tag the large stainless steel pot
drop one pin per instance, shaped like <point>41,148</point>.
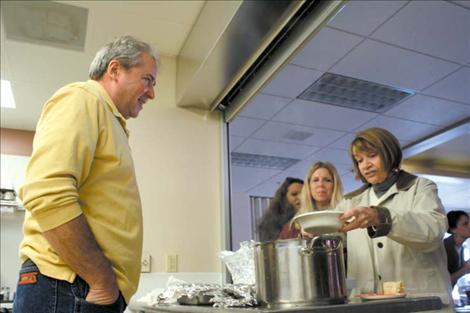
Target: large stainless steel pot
<point>298,272</point>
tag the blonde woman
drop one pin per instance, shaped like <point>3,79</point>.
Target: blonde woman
<point>322,190</point>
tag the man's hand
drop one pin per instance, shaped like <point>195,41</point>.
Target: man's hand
<point>75,244</point>
<point>358,217</point>
<point>103,296</point>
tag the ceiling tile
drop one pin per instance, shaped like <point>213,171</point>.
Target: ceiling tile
<point>278,149</point>
<point>235,141</point>
<point>363,17</point>
<point>323,115</point>
<point>464,3</point>
<point>389,65</point>
<point>26,68</point>
<point>335,156</point>
<point>350,183</point>
<point>244,127</point>
<point>402,129</point>
<point>291,81</point>
<point>266,189</point>
<point>325,49</point>
<point>245,178</point>
<point>454,87</point>
<point>264,106</point>
<point>269,187</point>
<point>162,23</point>
<point>424,26</point>
<point>430,110</point>
<point>344,142</point>
<point>277,131</point>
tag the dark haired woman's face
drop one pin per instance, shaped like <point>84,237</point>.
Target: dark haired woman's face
<point>370,166</point>
<point>463,228</point>
<point>293,195</point>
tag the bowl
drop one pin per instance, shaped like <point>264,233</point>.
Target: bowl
<point>319,222</point>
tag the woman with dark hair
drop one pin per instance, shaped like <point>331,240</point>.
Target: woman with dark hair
<point>395,222</point>
<point>459,227</point>
<point>282,208</point>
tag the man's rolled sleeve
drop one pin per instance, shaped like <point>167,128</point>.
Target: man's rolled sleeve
<point>62,156</point>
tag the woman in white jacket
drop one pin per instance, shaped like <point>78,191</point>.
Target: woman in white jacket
<point>395,223</point>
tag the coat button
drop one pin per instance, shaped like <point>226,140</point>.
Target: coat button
<point>380,245</point>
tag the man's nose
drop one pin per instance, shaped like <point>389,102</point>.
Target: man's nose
<point>151,93</point>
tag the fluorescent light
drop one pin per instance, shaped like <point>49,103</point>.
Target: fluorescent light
<point>8,101</point>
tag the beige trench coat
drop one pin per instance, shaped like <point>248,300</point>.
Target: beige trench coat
<point>412,251</point>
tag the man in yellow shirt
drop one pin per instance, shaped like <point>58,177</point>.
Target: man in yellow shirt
<point>83,225</point>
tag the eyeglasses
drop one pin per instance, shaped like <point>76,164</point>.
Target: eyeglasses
<point>149,81</point>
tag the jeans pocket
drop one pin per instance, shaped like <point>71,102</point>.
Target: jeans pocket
<point>83,306</point>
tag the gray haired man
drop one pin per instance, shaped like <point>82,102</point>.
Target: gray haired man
<point>82,240</point>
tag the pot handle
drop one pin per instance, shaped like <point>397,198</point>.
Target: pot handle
<point>308,250</point>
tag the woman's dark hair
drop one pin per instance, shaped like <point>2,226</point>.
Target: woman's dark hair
<point>377,140</point>
<point>280,211</point>
<point>453,218</point>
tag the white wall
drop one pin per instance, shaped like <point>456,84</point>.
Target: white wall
<point>12,176</point>
<point>177,155</point>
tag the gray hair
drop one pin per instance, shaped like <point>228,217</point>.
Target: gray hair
<point>126,49</point>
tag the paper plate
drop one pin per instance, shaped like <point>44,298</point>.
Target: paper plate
<point>381,296</point>
<point>319,222</point>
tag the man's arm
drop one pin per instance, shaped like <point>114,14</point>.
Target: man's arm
<point>76,245</point>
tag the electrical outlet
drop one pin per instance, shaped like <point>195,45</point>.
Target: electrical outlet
<point>172,263</point>
<point>146,263</point>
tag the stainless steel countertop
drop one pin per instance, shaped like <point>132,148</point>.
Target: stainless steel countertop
<point>404,305</point>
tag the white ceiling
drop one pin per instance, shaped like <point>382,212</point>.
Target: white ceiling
<point>37,71</point>
<point>420,46</point>
<point>423,46</point>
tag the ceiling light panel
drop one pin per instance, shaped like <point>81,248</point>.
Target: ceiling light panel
<point>7,100</point>
<point>353,93</point>
<point>261,161</point>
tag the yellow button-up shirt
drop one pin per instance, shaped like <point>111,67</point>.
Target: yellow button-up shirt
<point>82,164</point>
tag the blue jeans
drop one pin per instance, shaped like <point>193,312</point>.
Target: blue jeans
<point>36,293</point>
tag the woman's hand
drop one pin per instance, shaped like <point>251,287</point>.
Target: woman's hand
<point>359,217</point>
<point>305,234</point>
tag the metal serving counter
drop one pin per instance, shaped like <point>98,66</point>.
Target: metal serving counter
<point>403,305</point>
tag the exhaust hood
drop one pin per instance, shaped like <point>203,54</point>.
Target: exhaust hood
<point>445,153</point>
<point>235,47</point>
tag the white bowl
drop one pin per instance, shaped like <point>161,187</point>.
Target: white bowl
<point>319,222</point>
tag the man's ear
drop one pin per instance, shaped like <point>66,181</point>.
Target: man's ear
<point>113,68</point>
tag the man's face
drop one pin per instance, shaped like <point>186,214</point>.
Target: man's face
<point>135,86</point>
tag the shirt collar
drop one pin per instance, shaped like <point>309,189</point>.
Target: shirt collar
<point>106,98</point>
<point>405,181</point>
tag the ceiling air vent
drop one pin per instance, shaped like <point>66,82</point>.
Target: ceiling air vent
<point>261,161</point>
<point>297,135</point>
<point>45,22</point>
<point>353,93</point>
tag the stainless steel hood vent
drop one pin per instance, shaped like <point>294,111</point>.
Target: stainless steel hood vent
<point>353,93</point>
<point>261,161</point>
<point>236,47</point>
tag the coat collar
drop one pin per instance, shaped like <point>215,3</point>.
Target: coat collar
<point>404,182</point>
